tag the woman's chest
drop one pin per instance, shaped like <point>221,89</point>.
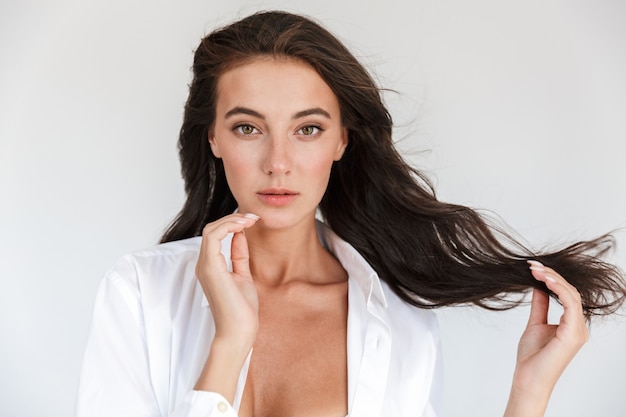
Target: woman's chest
<point>298,365</point>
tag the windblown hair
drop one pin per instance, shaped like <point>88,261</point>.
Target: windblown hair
<point>431,253</point>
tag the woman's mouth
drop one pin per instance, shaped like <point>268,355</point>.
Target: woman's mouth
<point>277,197</point>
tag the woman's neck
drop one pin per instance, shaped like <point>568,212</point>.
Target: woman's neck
<point>288,255</point>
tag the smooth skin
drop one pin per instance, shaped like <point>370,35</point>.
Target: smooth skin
<point>278,131</point>
<point>545,350</point>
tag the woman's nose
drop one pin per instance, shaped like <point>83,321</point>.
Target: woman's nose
<point>278,156</point>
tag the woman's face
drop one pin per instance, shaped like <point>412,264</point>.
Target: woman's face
<point>277,130</point>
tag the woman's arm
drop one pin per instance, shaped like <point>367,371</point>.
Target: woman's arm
<point>544,349</point>
<point>233,301</point>
<point>117,377</point>
<point>125,370</point>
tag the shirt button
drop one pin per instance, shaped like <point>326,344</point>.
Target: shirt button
<point>222,407</point>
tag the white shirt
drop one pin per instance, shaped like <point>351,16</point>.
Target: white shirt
<point>152,328</point>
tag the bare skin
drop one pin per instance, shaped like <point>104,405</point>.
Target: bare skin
<point>298,340</point>
<point>299,353</point>
<point>278,132</point>
<point>544,349</point>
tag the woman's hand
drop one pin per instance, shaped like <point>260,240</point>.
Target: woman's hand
<point>544,349</point>
<point>233,301</point>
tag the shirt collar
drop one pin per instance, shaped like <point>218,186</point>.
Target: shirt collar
<point>359,270</point>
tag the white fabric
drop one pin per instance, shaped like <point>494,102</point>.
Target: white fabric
<point>152,328</point>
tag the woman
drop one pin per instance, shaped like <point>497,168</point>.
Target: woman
<point>252,307</point>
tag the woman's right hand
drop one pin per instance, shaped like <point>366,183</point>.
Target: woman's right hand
<point>232,295</point>
<point>233,300</point>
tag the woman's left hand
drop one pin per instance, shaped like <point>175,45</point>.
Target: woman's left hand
<point>545,350</point>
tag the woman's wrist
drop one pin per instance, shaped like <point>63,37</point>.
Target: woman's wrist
<point>222,368</point>
<point>527,399</point>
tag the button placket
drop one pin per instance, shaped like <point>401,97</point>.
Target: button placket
<point>372,384</point>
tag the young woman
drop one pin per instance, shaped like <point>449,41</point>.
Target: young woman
<point>252,307</point>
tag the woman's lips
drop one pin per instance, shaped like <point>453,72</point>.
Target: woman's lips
<point>277,196</point>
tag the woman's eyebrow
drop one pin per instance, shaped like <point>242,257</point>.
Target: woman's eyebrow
<point>243,110</point>
<point>314,111</point>
<point>249,112</point>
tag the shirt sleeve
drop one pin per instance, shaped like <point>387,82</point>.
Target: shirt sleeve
<point>115,377</point>
<point>204,404</point>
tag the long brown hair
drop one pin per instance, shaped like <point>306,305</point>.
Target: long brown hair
<point>431,253</point>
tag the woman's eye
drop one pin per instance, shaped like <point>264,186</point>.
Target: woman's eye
<point>309,130</point>
<point>246,129</point>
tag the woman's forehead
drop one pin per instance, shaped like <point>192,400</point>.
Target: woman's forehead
<point>274,84</point>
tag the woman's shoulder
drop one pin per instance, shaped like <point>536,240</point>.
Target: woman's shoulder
<point>173,249</point>
<point>161,263</point>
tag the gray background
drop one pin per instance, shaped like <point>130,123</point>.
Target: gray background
<point>516,107</point>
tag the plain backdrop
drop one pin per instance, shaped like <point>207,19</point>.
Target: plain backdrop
<point>518,107</point>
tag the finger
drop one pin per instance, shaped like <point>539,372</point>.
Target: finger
<point>539,272</point>
<point>240,256</point>
<point>551,278</point>
<point>572,305</point>
<point>562,284</point>
<point>213,234</point>
<point>572,327</point>
<point>211,246</point>
<point>237,218</point>
<point>567,293</point>
<point>539,308</point>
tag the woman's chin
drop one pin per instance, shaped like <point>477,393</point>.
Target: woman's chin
<point>273,220</point>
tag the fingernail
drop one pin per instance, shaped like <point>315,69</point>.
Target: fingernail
<point>240,221</point>
<point>536,265</point>
<point>251,216</point>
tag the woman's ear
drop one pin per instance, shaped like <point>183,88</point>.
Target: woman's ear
<point>343,144</point>
<point>213,143</point>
